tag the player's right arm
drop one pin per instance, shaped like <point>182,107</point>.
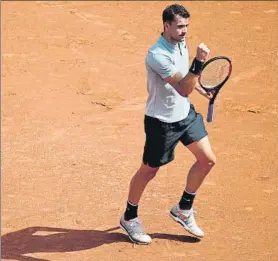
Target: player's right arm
<point>183,85</point>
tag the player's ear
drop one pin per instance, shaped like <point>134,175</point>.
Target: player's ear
<point>167,25</point>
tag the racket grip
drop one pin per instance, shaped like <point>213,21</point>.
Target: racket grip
<point>210,113</point>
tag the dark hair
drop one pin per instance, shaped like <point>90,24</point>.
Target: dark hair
<point>171,11</point>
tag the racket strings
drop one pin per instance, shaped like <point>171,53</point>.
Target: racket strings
<point>215,73</point>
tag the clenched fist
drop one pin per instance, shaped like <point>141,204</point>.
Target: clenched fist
<point>202,52</point>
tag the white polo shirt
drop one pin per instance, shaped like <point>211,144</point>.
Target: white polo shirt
<point>165,59</point>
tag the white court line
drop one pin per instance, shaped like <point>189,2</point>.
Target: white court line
<point>82,17</point>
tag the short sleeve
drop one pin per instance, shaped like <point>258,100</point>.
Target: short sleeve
<point>161,64</point>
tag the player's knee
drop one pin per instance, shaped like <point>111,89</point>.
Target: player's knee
<point>148,172</point>
<point>151,174</point>
<point>212,161</point>
<point>207,163</point>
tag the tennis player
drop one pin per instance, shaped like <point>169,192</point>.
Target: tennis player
<point>170,118</point>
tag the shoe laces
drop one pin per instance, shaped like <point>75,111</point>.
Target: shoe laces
<point>137,226</point>
<point>190,215</point>
<point>191,219</point>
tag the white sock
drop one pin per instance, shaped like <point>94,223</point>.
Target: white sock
<point>191,193</point>
<point>132,204</point>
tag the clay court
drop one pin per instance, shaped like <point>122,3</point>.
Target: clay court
<point>73,101</point>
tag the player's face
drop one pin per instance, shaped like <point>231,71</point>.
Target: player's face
<point>178,28</point>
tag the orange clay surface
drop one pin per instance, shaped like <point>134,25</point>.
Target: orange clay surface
<point>73,99</point>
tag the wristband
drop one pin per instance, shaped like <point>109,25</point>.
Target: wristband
<point>196,67</point>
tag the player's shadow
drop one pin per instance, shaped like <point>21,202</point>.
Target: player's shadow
<point>17,245</point>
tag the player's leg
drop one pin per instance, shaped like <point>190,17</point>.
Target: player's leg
<point>130,221</point>
<point>139,182</point>
<point>205,160</point>
<point>196,140</point>
<point>158,151</point>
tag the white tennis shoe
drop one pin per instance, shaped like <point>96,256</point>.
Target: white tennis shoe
<point>135,231</point>
<point>186,219</point>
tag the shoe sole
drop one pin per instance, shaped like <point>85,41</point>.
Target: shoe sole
<point>176,219</point>
<point>133,240</point>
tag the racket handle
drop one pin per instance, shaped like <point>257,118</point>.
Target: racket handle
<point>210,113</point>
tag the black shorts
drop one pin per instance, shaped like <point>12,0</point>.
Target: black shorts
<point>162,137</point>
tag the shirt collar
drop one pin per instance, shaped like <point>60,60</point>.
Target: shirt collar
<point>169,46</point>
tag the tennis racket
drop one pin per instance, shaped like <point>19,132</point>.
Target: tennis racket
<point>215,73</point>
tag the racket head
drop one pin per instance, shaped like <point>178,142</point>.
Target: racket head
<point>215,73</point>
